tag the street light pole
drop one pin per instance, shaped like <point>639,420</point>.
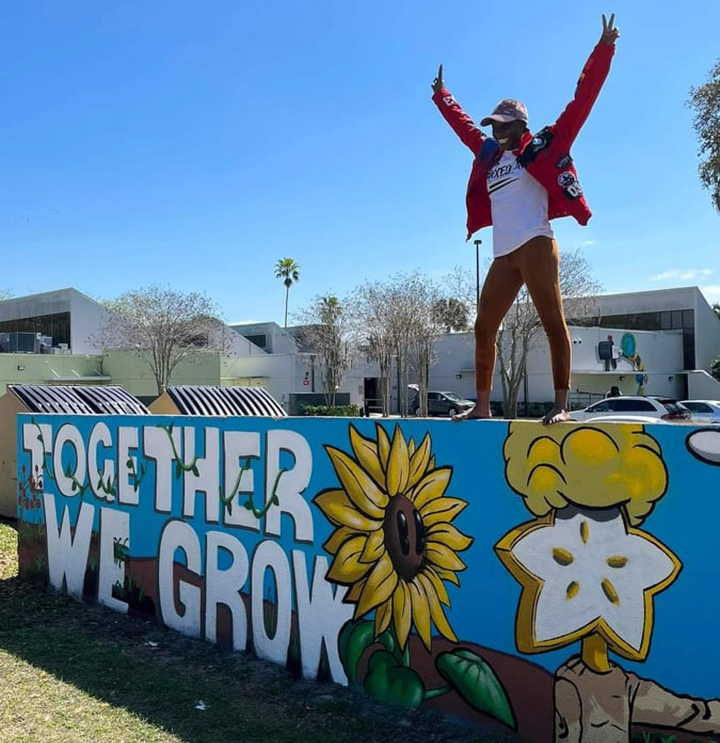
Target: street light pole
<point>477,274</point>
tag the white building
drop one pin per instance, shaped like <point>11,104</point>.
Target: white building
<point>674,332</point>
<point>661,342</point>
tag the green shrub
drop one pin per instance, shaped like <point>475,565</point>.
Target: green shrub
<point>344,411</point>
<point>715,368</point>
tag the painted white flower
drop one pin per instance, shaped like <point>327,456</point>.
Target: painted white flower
<point>586,571</point>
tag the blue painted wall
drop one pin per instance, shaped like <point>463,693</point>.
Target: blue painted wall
<point>684,654</point>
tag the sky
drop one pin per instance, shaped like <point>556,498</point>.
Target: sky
<point>195,144</point>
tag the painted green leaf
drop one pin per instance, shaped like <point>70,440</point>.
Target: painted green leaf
<point>391,683</point>
<point>387,639</point>
<point>352,642</point>
<point>476,683</point>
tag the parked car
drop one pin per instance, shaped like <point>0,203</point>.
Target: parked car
<point>442,403</point>
<point>647,407</point>
<point>630,418</point>
<point>703,411</point>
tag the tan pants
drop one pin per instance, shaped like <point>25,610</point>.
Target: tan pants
<point>536,264</point>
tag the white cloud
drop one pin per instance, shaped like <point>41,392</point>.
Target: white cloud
<point>588,243</point>
<point>712,293</point>
<point>679,274</point>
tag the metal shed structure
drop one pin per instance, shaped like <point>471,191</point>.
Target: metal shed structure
<point>217,401</point>
<point>57,400</point>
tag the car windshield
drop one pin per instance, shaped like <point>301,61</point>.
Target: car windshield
<point>672,407</point>
<point>452,396</point>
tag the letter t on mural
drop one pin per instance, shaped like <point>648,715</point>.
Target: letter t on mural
<point>589,574</point>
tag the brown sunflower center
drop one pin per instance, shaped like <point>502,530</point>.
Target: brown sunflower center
<point>404,536</point>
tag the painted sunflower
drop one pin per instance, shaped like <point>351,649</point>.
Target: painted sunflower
<point>394,544</point>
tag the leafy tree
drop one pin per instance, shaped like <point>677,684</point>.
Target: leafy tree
<point>164,327</point>
<point>289,271</point>
<point>705,102</point>
<point>325,334</point>
<point>715,368</point>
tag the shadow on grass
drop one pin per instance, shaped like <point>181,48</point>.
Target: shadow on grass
<point>161,676</point>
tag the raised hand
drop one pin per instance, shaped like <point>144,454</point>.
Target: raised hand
<point>438,83</point>
<point>610,34</point>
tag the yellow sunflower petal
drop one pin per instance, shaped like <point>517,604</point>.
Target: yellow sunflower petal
<point>366,452</point>
<point>374,547</point>
<point>346,568</point>
<point>432,486</point>
<point>448,575</point>
<point>441,510</point>
<point>359,486</point>
<point>337,538</point>
<point>437,584</point>
<point>436,611</point>
<point>411,447</point>
<point>402,612</point>
<point>383,444</point>
<point>443,557</point>
<point>340,510</point>
<point>383,615</point>
<point>420,611</point>
<point>379,587</point>
<point>449,535</point>
<point>419,461</point>
<point>354,592</point>
<point>398,468</point>
<point>431,463</point>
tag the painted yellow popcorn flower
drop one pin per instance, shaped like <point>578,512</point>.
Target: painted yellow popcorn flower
<point>394,544</point>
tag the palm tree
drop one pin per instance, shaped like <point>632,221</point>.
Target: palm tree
<point>289,271</point>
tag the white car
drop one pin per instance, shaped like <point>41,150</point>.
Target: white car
<point>633,407</point>
<point>703,411</point>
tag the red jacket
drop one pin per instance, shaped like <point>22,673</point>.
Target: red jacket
<point>545,155</point>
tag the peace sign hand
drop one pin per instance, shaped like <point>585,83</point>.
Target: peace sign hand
<point>438,83</point>
<point>610,34</point>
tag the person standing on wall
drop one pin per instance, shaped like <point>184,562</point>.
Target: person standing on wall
<point>519,182</point>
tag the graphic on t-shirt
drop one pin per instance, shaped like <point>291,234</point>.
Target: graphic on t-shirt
<point>503,175</point>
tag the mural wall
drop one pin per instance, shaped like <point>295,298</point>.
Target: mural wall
<point>563,582</point>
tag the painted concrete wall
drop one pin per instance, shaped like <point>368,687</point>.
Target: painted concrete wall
<point>130,372</point>
<point>707,334</point>
<point>701,386</point>
<point>570,590</point>
<point>278,340</point>
<point>46,368</point>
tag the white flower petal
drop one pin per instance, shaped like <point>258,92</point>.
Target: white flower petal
<point>591,568</point>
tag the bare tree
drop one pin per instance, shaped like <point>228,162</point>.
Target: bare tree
<point>399,329</point>
<point>427,327</point>
<point>705,102</point>
<point>164,327</point>
<point>372,317</point>
<point>522,327</point>
<point>325,333</point>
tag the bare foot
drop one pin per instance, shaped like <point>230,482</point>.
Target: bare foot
<point>475,412</point>
<point>556,415</point>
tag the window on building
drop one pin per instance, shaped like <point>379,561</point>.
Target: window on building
<point>56,326</point>
<point>259,340</point>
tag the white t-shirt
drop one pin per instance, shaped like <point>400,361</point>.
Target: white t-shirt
<point>519,205</point>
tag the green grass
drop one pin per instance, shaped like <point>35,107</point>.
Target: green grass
<point>71,673</point>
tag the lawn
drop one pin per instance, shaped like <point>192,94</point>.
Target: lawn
<point>71,673</point>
